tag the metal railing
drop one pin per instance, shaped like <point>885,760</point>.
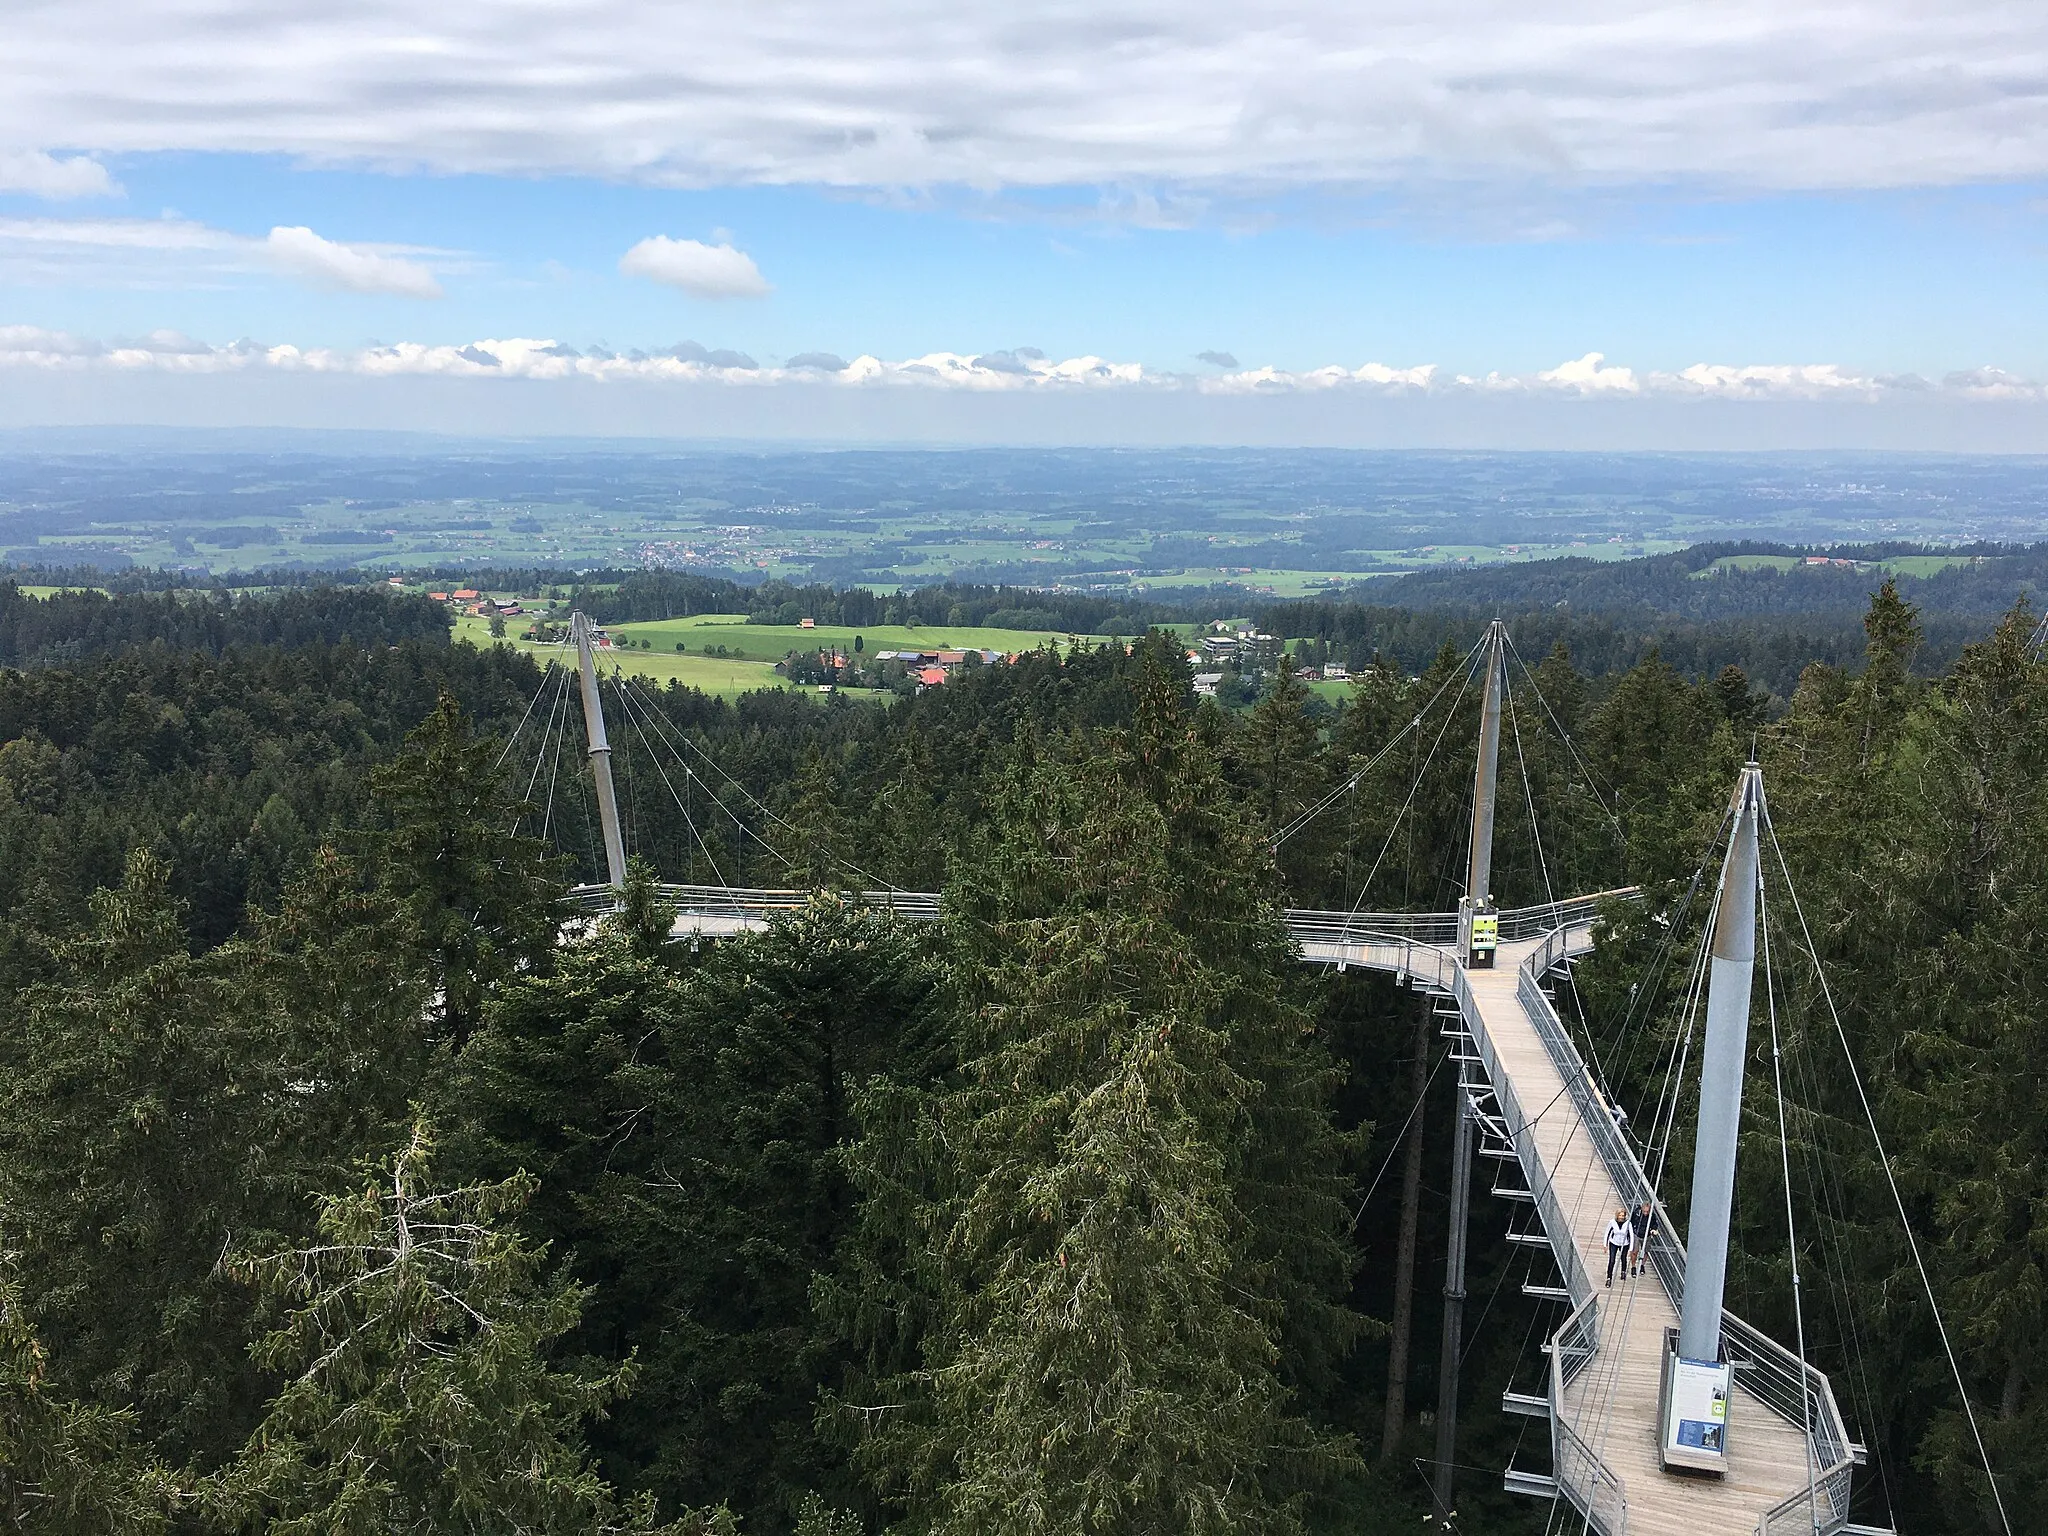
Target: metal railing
<point>1427,965</point>
<point>1522,1137</point>
<point>1308,925</point>
<point>1801,1395</point>
<point>1315,925</point>
<point>752,903</point>
<point>1595,1109</point>
<point>1592,1487</point>
<point>1311,925</point>
<point>1521,923</point>
<point>1582,1477</point>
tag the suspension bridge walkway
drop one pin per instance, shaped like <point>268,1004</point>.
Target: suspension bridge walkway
<point>1626,1457</point>
<point>1564,1167</point>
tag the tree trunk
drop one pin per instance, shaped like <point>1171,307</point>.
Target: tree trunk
<point>1404,1261</point>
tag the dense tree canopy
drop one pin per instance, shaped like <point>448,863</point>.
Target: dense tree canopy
<point>1070,1212</point>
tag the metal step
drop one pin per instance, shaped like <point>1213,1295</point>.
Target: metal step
<point>1529,1239</point>
<point>1537,1485</point>
<point>1525,1404</point>
<point>1514,1194</point>
<point>1504,1153</point>
<point>1545,1292</point>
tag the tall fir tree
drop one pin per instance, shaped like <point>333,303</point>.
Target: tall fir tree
<point>412,1338</point>
<point>481,899</point>
<point>1094,1214</point>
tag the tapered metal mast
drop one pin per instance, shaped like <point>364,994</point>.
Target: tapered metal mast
<point>580,630</point>
<point>1733,968</point>
<point>1480,879</point>
<point>1479,874</point>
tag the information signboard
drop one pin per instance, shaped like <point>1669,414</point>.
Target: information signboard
<point>1696,1413</point>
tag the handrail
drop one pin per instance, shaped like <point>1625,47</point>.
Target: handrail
<point>1593,1488</point>
<point>1308,924</point>
<point>1801,1393</point>
<point>1516,924</point>
<point>1586,1480</point>
<point>1596,1111</point>
<point>752,902</point>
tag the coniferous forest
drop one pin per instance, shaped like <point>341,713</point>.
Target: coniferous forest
<point>344,1189</point>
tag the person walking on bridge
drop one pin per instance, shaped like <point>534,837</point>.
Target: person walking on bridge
<point>1645,1222</point>
<point>1621,1238</point>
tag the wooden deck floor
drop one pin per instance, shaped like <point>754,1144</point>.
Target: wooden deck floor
<point>1613,1402</point>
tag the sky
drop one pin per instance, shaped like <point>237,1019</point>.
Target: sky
<point>1381,222</point>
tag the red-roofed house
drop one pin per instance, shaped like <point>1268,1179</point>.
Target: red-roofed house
<point>931,677</point>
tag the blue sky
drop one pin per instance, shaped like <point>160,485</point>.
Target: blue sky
<point>1895,281</point>
<point>1735,204</point>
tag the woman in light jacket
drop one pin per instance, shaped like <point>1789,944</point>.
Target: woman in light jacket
<point>1621,1238</point>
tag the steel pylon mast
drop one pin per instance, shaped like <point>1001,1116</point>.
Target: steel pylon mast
<point>1478,929</point>
<point>1696,1393</point>
<point>1733,969</point>
<point>580,631</point>
<point>1473,937</point>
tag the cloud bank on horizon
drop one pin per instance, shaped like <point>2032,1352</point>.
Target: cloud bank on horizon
<point>1750,93</point>
<point>1024,368</point>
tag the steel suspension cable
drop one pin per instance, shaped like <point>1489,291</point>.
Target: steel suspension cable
<point>1807,1406</point>
<point>689,821</point>
<point>1303,818</point>
<point>662,730</point>
<point>1414,786</point>
<point>1592,779</point>
<point>1891,1179</point>
<point>547,674</point>
<point>547,739</point>
<point>873,882</point>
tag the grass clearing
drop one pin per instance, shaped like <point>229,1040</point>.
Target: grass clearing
<point>772,642</point>
<point>725,679</point>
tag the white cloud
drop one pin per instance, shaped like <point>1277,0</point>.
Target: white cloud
<point>1129,94</point>
<point>1024,369</point>
<point>352,268</point>
<point>33,344</point>
<point>1811,381</point>
<point>73,235</point>
<point>41,174</point>
<point>177,252</point>
<point>1589,376</point>
<point>706,271</point>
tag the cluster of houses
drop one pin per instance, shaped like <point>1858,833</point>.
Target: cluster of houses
<point>932,668</point>
<point>470,600</point>
<point>1246,650</point>
<point>1249,652</point>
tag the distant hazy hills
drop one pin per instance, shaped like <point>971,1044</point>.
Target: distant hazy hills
<point>1712,582</point>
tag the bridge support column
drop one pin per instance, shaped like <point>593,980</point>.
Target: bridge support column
<point>1454,1299</point>
<point>1478,926</point>
<point>1697,1394</point>
<point>600,752</point>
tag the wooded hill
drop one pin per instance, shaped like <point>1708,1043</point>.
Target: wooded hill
<point>339,1194</point>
